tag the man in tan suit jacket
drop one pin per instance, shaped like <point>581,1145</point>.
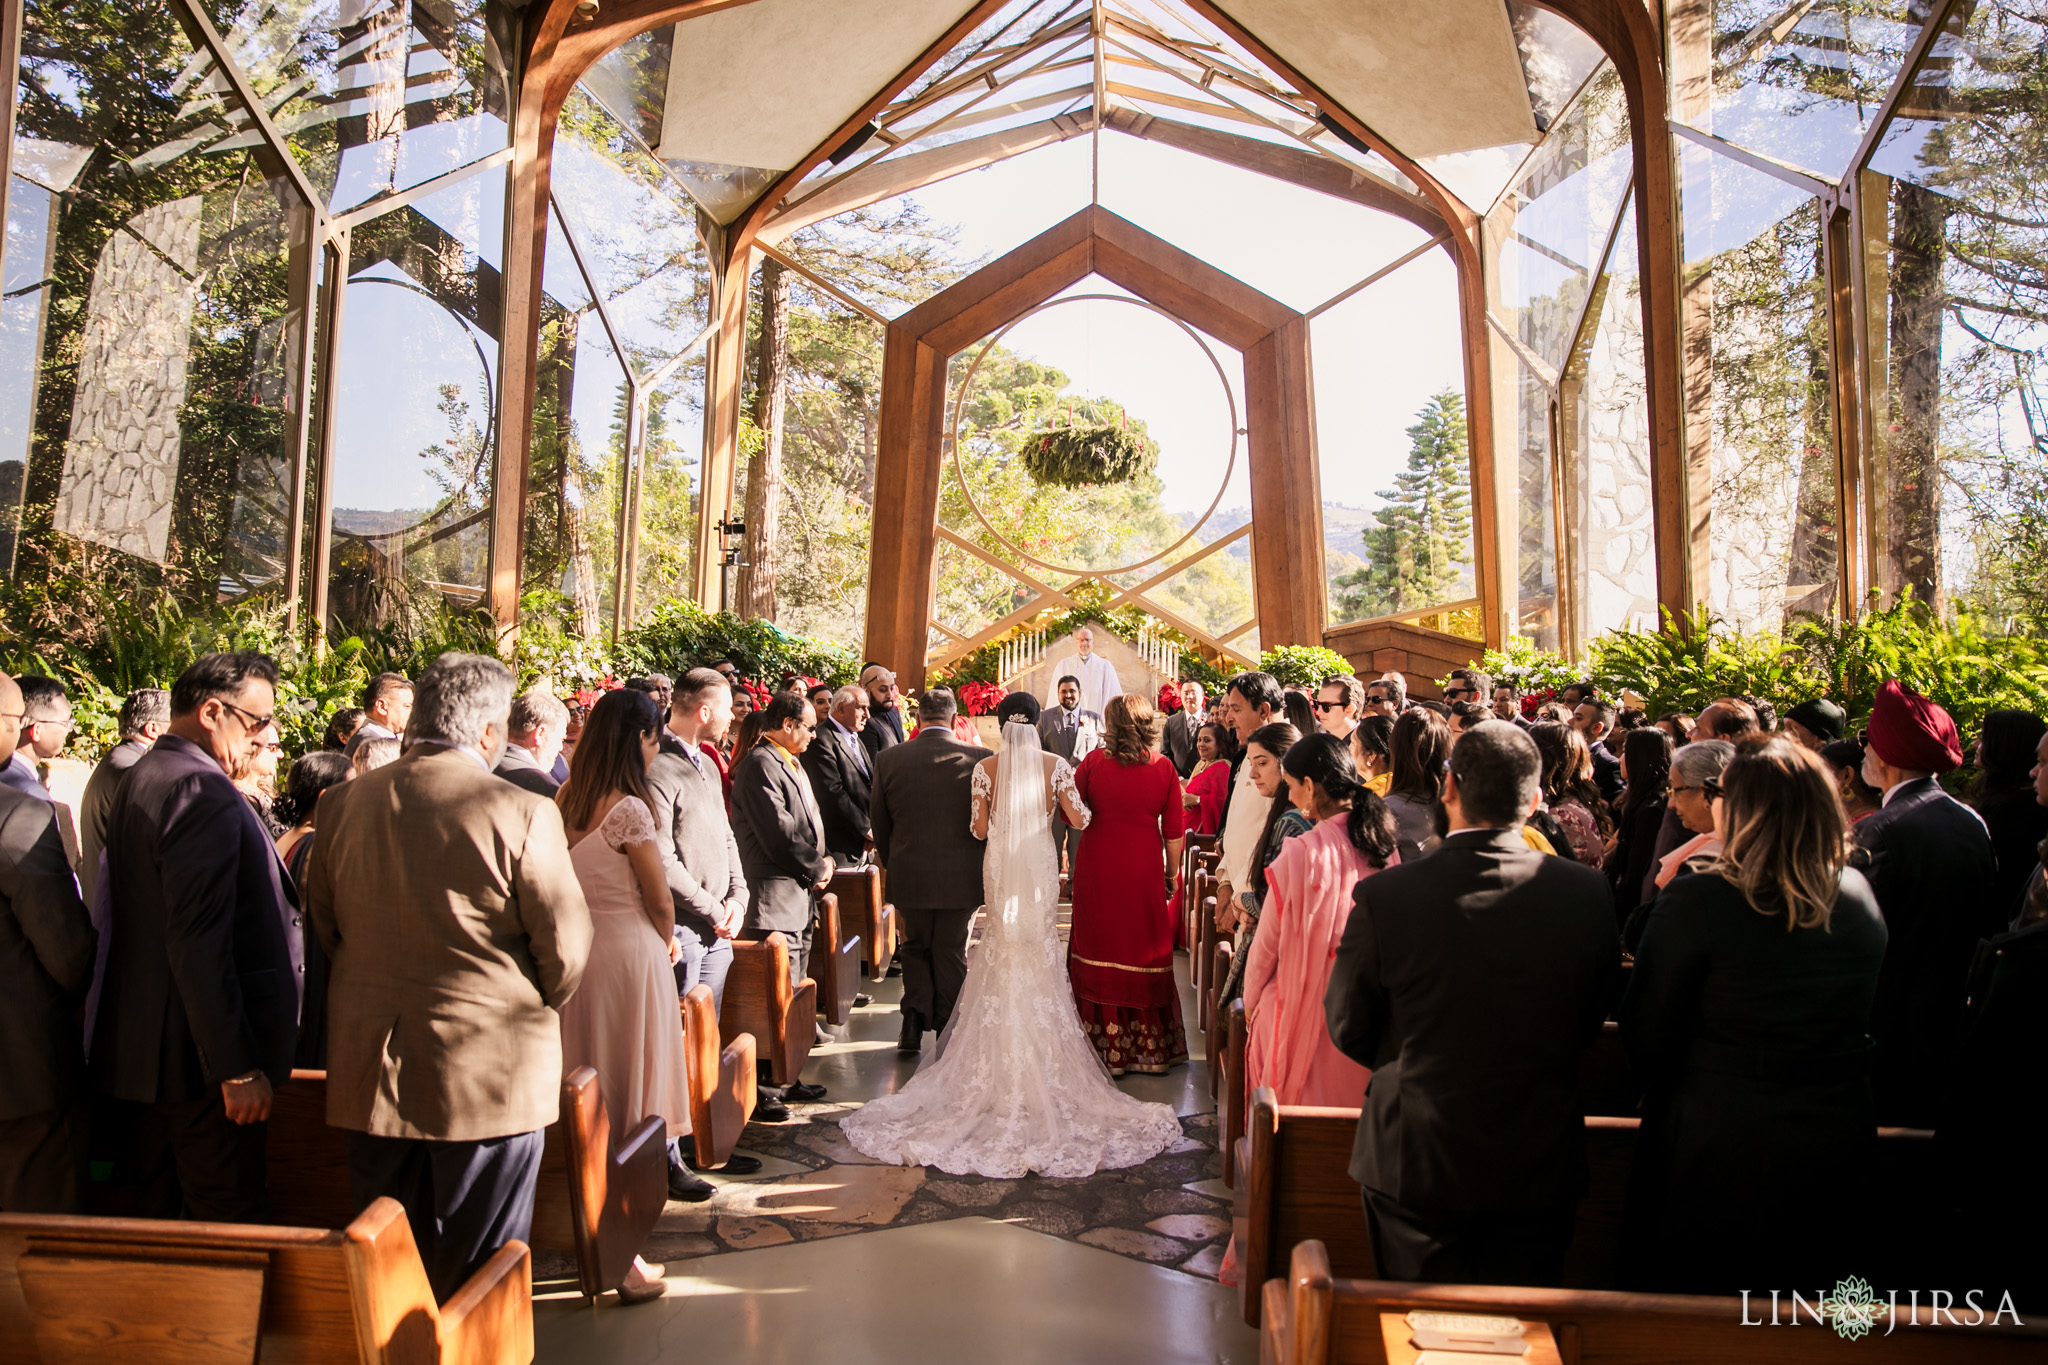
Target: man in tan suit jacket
<point>455,927</point>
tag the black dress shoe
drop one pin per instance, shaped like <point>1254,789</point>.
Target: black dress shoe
<point>911,1039</point>
<point>862,1000</point>
<point>734,1164</point>
<point>803,1094</point>
<point>770,1110</point>
<point>688,1187</point>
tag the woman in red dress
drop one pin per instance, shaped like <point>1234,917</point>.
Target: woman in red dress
<point>1120,957</point>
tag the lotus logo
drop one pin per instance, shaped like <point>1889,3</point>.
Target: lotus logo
<point>1853,1308</point>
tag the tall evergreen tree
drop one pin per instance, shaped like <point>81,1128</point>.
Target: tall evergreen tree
<point>1419,554</point>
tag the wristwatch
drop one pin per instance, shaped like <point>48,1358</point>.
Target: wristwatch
<point>248,1079</point>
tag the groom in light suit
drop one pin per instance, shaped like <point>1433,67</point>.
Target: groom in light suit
<point>920,816</point>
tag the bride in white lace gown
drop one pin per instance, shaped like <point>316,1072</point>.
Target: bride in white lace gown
<point>1016,1086</point>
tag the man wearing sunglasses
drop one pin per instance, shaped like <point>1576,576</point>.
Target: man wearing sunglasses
<point>199,1011</point>
<point>1340,701</point>
<point>45,727</point>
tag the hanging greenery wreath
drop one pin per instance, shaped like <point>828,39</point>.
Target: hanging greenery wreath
<point>1076,456</point>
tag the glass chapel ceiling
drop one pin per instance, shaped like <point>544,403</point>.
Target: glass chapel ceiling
<point>757,87</point>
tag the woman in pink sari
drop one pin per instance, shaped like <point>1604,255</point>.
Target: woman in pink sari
<point>1208,786</point>
<point>1308,901</point>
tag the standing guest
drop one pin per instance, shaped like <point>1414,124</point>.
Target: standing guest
<point>922,815</point>
<point>1298,710</point>
<point>1387,695</point>
<point>1728,718</point>
<point>885,712</point>
<point>1929,859</point>
<point>658,686</point>
<point>1120,956</point>
<point>539,723</point>
<point>1372,749</point>
<point>1095,675</point>
<point>1646,763</point>
<point>1575,694</point>
<point>298,810</point>
<point>1746,1018</point>
<point>373,754</point>
<point>1284,821</point>
<point>47,949</point>
<point>1678,726</point>
<point>1816,724</point>
<point>1695,786</point>
<point>842,776</point>
<point>1507,704</point>
<point>1594,720</point>
<point>1181,727</point>
<point>781,837</point>
<point>1569,794</point>
<point>727,669</point>
<point>199,1007</point>
<point>1553,710</point>
<point>45,728</point>
<point>571,732</point>
<point>1627,718</point>
<point>1340,701</point>
<point>1860,800</point>
<point>963,729</point>
<point>1067,732</point>
<point>1421,745</point>
<point>341,728</point>
<point>387,706</point>
<point>820,697</point>
<point>258,786</point>
<point>1251,701</point>
<point>1209,787</point>
<point>2003,797</point>
<point>743,712</point>
<point>449,908</point>
<point>1467,685</point>
<point>1465,715</point>
<point>621,1022</point>
<point>1766,714</point>
<point>1470,983</point>
<point>145,714</point>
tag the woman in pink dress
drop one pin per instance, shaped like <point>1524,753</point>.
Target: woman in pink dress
<point>1308,901</point>
<point>1120,957</point>
<point>623,1022</point>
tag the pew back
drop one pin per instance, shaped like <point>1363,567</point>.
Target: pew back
<point>722,1080</point>
<point>835,961</point>
<point>760,1000</point>
<point>1294,1183</point>
<point>862,911</point>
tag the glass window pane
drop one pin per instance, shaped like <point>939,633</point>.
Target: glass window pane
<point>1535,609</point>
<point>415,438</point>
<point>631,81</point>
<point>150,346</point>
<point>1382,359</point>
<point>1557,56</point>
<point>668,518</point>
<point>1801,82</point>
<point>375,96</point>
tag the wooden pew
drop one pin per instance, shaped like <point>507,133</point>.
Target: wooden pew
<point>1230,1105</point>
<point>596,1198</point>
<point>862,911</point>
<point>1217,1030</point>
<point>1193,851</point>
<point>308,1162</point>
<point>1606,1083</point>
<point>759,1000</point>
<point>79,1289</point>
<point>1293,1182</point>
<point>835,961</point>
<point>721,1081</point>
<point>1203,951</point>
<point>1314,1317</point>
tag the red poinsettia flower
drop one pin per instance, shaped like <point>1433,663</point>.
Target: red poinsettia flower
<point>982,698</point>
<point>1169,698</point>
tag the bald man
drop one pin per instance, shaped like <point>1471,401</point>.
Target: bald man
<point>15,771</point>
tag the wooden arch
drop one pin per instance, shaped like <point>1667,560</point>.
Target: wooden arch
<point>1286,487</point>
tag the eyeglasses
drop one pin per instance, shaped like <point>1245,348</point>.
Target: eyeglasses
<point>1453,693</point>
<point>250,720</point>
<point>1329,706</point>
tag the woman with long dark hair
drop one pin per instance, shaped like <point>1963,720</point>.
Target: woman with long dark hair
<point>1262,755</point>
<point>2003,794</point>
<point>1372,749</point>
<point>1421,745</point>
<point>296,808</point>
<point>1120,955</point>
<point>1208,786</point>
<point>622,1020</point>
<point>1646,768</point>
<point>1844,758</point>
<point>1568,791</point>
<point>1747,1016</point>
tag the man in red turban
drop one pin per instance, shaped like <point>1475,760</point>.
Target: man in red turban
<point>1929,860</point>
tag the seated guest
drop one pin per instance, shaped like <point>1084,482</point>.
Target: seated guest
<point>450,910</point>
<point>1594,719</point>
<point>539,723</point>
<point>387,706</point>
<point>298,810</point>
<point>1209,788</point>
<point>1844,759</point>
<point>198,1012</point>
<point>1471,1149</point>
<point>1646,765</point>
<point>144,715</point>
<point>842,774</point>
<point>2003,795</point>
<point>1262,754</point>
<point>45,729</point>
<point>45,969</point>
<point>341,728</point>
<point>622,1020</point>
<point>1421,743</point>
<point>1569,794</point>
<point>1929,860</point>
<point>373,754</point>
<point>1816,724</point>
<point>1372,749</point>
<point>1745,1017</point>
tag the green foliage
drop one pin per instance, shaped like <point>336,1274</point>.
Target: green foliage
<point>1305,665</point>
<point>1530,668</point>
<point>1123,622</point>
<point>1081,456</point>
<point>1419,553</point>
<point>681,635</point>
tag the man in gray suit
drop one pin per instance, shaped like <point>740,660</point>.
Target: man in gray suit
<point>46,954</point>
<point>539,721</point>
<point>145,715</point>
<point>1069,732</point>
<point>781,839</point>
<point>923,841</point>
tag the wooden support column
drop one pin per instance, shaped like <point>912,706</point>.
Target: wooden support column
<point>907,473</point>
<point>1287,560</point>
<point>1692,61</point>
<point>1838,257</point>
<point>725,364</point>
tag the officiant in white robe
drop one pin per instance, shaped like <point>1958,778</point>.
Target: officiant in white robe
<point>1097,675</point>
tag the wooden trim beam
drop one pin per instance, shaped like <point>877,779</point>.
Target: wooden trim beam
<point>724,384</point>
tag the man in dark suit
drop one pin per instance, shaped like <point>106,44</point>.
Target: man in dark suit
<point>842,775</point>
<point>923,840</point>
<point>539,720</point>
<point>781,839</point>
<point>1594,719</point>
<point>1069,732</point>
<point>1470,981</point>
<point>42,724</point>
<point>199,1011</point>
<point>884,729</point>
<point>47,946</point>
<point>15,776</point>
<point>144,715</point>
<point>1181,727</point>
<point>1928,858</point>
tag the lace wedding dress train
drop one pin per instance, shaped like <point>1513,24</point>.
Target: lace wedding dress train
<point>1015,1086</point>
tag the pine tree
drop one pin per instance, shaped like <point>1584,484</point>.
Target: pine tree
<point>1420,552</point>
